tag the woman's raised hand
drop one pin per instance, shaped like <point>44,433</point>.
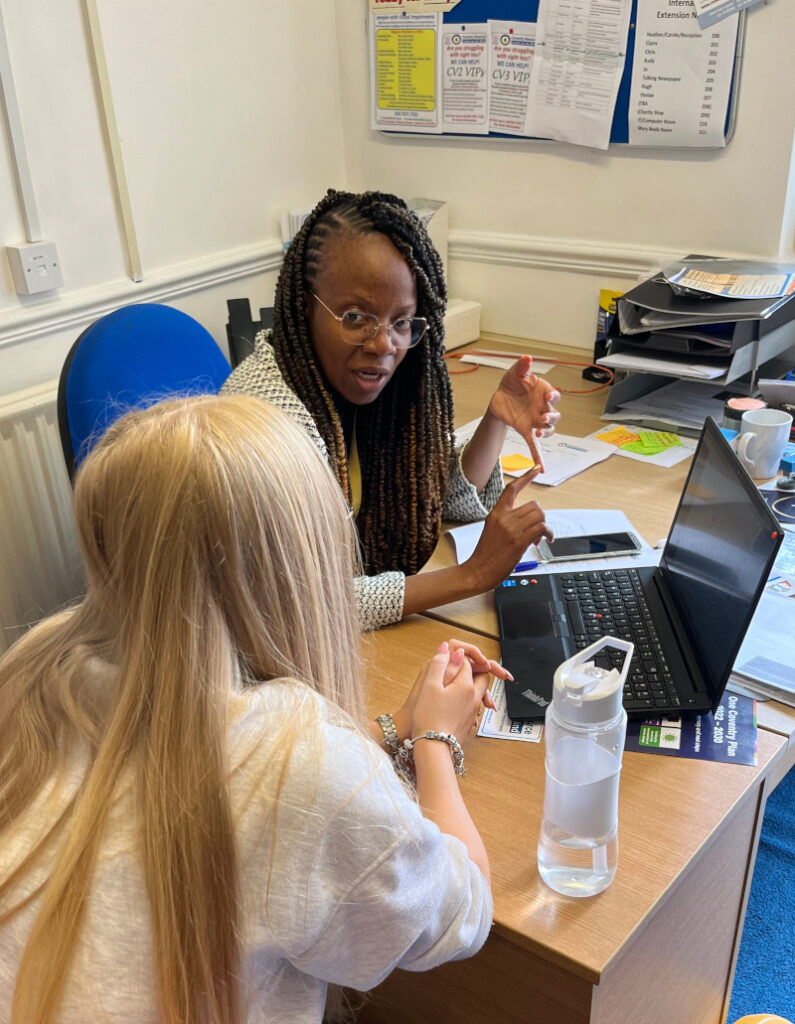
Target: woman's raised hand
<point>526,403</point>
<point>508,530</point>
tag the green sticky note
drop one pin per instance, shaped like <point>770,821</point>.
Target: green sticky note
<point>639,448</point>
<point>659,438</point>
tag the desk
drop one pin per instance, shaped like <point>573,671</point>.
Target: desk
<point>647,494</point>
<point>657,947</point>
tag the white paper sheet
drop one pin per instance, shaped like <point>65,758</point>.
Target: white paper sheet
<point>659,364</point>
<point>511,48</point>
<point>465,79</point>
<point>670,457</point>
<point>563,456</point>
<point>569,522</point>
<point>580,55</point>
<point>405,72</point>
<point>498,726</point>
<point>681,76</point>
<point>504,362</point>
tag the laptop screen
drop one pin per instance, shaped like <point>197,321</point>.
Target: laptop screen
<point>719,553</point>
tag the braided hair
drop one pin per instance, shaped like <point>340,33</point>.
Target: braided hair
<point>405,437</point>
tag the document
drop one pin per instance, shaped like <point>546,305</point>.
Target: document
<point>765,663</point>
<point>683,367</point>
<point>465,79</point>
<point>569,522</point>
<point>728,735</point>
<point>497,725</point>
<point>675,65</point>
<point>405,72</point>
<point>503,360</point>
<point>581,49</point>
<point>732,279</point>
<point>563,456</point>
<point>683,403</point>
<point>511,48</point>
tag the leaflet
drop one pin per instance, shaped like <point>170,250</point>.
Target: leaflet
<point>674,62</point>
<point>728,735</point>
<point>581,49</point>
<point>511,49</point>
<point>465,79</point>
<point>405,72</point>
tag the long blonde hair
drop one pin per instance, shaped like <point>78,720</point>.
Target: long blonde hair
<point>219,554</point>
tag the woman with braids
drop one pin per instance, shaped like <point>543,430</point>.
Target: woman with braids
<point>197,826</point>
<point>356,357</point>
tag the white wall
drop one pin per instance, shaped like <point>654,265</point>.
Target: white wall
<point>537,228</point>
<point>230,113</point>
<point>222,128</point>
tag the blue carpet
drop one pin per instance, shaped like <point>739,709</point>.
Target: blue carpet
<point>765,977</point>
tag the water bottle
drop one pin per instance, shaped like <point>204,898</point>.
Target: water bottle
<point>584,732</point>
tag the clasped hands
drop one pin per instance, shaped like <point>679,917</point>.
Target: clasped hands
<point>449,691</point>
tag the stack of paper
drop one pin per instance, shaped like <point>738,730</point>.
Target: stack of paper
<point>765,664</point>
<point>682,403</point>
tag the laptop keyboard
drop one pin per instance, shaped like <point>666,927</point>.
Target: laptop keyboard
<point>611,601</point>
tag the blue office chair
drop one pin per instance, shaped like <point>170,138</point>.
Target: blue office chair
<point>132,358</point>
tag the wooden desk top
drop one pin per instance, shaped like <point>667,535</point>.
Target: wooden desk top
<point>662,835</point>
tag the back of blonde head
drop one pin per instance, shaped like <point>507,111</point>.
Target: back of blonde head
<point>219,554</point>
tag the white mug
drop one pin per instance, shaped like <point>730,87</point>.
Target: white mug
<point>763,437</point>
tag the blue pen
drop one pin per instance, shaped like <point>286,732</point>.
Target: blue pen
<point>525,566</point>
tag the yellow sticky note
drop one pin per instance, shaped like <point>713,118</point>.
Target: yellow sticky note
<point>511,463</point>
<point>618,436</point>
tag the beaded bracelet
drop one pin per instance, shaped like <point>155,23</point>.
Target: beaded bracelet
<point>406,755</point>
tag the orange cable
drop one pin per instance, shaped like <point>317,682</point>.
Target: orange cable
<point>541,359</point>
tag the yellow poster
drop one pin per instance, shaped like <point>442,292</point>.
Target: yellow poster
<point>405,71</point>
<point>405,59</point>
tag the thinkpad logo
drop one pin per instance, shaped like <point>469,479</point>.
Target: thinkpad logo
<point>536,698</point>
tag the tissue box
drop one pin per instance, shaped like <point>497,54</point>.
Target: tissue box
<point>461,323</point>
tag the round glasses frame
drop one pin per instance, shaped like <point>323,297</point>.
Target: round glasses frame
<point>357,328</point>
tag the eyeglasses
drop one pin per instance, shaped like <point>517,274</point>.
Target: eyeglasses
<point>357,328</point>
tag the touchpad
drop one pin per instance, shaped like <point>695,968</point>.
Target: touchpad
<point>524,615</point>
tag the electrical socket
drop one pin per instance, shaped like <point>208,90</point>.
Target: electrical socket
<point>35,267</point>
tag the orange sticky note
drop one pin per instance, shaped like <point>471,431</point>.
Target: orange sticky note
<point>512,463</point>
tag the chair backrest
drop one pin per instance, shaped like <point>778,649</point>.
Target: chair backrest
<point>132,358</point>
<point>241,329</point>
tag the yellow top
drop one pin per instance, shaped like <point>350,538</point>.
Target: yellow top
<point>355,475</point>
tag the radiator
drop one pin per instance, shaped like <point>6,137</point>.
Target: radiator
<point>40,564</point>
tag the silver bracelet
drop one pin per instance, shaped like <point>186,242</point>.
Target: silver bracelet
<point>456,749</point>
<point>391,737</point>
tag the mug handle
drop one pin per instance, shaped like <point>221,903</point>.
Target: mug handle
<point>742,443</point>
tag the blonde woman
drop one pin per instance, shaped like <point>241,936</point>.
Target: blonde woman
<point>195,824</point>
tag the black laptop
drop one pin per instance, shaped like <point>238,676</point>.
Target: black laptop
<point>687,617</point>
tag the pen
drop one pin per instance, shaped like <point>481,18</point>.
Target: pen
<point>524,566</point>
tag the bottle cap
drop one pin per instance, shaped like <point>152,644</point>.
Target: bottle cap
<point>585,694</point>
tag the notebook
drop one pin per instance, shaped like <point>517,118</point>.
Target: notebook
<point>687,617</point>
